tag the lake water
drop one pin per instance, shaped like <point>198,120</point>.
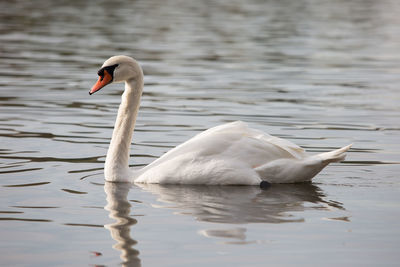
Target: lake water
<point>320,73</point>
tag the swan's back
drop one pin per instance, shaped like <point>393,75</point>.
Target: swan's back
<point>242,128</point>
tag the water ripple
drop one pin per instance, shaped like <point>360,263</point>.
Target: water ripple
<point>27,185</point>
<point>23,219</point>
<point>73,191</point>
<point>84,225</point>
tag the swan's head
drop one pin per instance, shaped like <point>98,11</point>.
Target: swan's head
<point>117,69</point>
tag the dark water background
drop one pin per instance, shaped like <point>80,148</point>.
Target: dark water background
<point>320,73</point>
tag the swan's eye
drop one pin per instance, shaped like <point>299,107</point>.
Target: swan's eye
<point>110,69</point>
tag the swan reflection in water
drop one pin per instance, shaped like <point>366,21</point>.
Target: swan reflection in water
<point>119,208</point>
<point>240,204</point>
<point>217,204</point>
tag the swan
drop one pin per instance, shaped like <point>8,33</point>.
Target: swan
<point>228,154</point>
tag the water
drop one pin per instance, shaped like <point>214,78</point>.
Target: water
<point>322,74</point>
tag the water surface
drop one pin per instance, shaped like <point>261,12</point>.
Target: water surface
<point>322,74</point>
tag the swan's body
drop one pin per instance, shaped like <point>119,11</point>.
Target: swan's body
<point>231,153</point>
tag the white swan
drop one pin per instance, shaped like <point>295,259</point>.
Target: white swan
<point>231,153</point>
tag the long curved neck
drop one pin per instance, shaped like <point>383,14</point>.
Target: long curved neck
<point>116,168</point>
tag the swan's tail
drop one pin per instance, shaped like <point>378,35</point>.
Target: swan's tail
<point>292,170</point>
<point>335,155</point>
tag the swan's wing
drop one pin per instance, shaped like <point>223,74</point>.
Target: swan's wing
<point>284,144</point>
<point>242,129</point>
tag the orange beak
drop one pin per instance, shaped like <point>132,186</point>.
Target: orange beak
<point>101,82</point>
